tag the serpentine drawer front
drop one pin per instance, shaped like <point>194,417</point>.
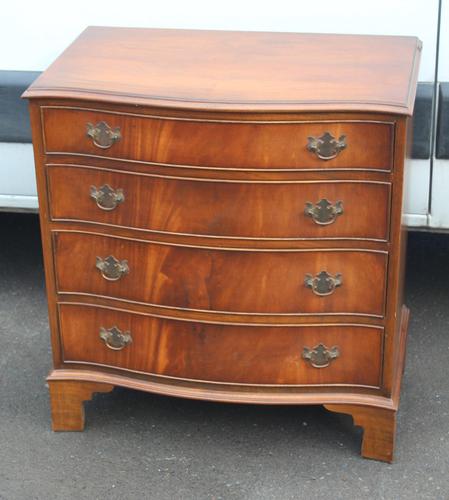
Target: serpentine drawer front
<point>225,228</point>
<point>222,353</point>
<point>222,208</point>
<point>223,280</point>
<point>219,143</point>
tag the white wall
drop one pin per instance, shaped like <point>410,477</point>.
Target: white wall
<point>33,33</point>
<point>443,65</point>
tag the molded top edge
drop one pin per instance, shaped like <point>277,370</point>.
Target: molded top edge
<point>236,71</point>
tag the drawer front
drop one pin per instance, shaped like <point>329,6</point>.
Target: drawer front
<point>222,353</point>
<point>278,282</point>
<point>295,210</point>
<point>220,144</point>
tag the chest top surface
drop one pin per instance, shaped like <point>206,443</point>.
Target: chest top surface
<point>238,71</point>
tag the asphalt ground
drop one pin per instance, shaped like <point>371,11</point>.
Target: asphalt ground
<point>142,446</point>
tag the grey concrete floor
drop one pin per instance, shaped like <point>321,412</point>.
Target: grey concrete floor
<point>138,445</point>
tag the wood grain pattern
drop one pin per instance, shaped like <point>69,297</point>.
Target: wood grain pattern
<point>217,144</point>
<point>238,393</point>
<point>195,172</point>
<point>67,398</point>
<point>203,316</point>
<point>379,429</point>
<point>221,208</point>
<point>228,393</point>
<point>222,280</point>
<point>44,217</point>
<point>207,242</point>
<point>231,70</point>
<point>214,163</point>
<point>222,353</point>
<point>396,259</point>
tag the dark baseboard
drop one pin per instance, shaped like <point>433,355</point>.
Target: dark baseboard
<point>422,121</point>
<point>14,118</point>
<point>442,136</point>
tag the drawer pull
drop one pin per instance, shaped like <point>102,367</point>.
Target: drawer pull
<point>320,356</point>
<point>323,283</point>
<point>102,135</point>
<point>323,212</point>
<point>111,268</point>
<point>327,146</point>
<point>106,197</point>
<point>114,338</point>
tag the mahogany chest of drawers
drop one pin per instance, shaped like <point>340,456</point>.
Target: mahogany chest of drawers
<point>221,218</point>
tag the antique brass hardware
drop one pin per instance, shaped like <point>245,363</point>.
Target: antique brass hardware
<point>102,135</point>
<point>327,146</point>
<point>320,356</point>
<point>323,212</point>
<point>323,283</point>
<point>111,268</point>
<point>106,197</point>
<point>114,338</point>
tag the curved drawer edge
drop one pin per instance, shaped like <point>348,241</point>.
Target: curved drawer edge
<point>219,354</point>
<point>214,383</point>
<point>226,393</point>
<point>91,244</point>
<point>214,312</point>
<point>175,149</point>
<point>215,318</point>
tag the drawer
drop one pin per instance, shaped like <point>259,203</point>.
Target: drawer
<point>335,209</point>
<point>213,279</point>
<point>219,143</point>
<point>221,353</point>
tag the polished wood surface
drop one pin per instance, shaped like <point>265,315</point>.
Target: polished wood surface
<point>226,70</point>
<point>222,353</point>
<point>365,407</point>
<point>67,398</point>
<point>222,280</point>
<point>219,143</point>
<point>215,174</point>
<point>379,429</point>
<point>226,208</point>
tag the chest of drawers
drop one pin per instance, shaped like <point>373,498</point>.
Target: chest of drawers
<point>221,219</point>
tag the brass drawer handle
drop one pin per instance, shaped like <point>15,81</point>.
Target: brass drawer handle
<point>327,146</point>
<point>114,338</point>
<point>323,212</point>
<point>106,197</point>
<point>111,268</point>
<point>320,356</point>
<point>102,135</point>
<point>323,283</point>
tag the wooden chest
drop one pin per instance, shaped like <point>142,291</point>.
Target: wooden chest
<point>221,218</point>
